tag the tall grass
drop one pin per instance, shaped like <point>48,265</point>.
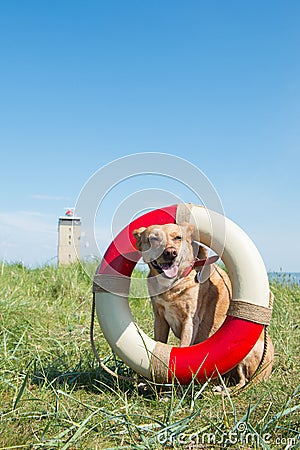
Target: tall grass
<point>54,395</point>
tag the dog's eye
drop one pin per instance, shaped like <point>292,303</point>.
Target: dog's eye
<point>177,238</point>
<point>153,238</point>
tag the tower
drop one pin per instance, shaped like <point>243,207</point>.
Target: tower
<point>69,230</point>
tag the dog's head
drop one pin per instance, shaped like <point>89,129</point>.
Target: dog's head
<point>167,249</point>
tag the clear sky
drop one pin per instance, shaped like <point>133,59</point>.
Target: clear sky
<point>83,83</point>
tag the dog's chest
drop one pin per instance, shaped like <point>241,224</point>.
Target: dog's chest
<point>171,312</point>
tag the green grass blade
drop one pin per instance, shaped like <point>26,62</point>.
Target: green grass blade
<point>21,391</point>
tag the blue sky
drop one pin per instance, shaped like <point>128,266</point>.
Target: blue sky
<point>83,83</point>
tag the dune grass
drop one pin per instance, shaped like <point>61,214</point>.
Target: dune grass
<point>55,396</point>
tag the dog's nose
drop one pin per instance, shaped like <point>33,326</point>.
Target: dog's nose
<point>170,253</point>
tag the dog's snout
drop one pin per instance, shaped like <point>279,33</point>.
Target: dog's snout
<point>170,253</point>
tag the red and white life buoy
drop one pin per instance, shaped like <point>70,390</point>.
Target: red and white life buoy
<point>222,351</point>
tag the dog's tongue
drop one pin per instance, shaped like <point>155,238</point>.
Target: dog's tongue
<point>170,271</point>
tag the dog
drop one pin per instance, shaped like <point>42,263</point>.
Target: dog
<point>193,310</point>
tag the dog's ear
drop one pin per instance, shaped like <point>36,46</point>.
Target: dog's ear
<point>188,229</point>
<point>137,234</point>
<point>191,232</point>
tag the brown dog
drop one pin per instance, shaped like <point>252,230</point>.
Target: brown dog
<point>193,310</point>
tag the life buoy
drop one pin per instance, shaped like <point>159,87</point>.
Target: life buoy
<point>248,312</point>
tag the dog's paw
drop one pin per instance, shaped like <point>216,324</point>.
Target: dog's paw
<point>219,390</point>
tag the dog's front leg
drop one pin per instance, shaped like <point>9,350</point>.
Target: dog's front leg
<point>161,329</point>
<point>187,333</point>
<point>161,326</point>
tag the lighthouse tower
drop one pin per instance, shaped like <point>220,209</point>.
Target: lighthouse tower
<point>69,230</point>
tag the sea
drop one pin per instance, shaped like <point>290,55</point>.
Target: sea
<point>289,278</point>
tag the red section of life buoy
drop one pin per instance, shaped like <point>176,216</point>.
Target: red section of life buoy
<point>222,351</point>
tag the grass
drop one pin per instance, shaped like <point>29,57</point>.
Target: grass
<point>55,396</point>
